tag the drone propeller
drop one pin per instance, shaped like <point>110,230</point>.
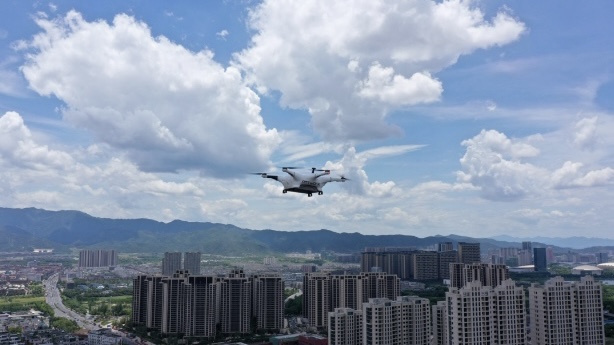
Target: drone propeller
<point>290,168</point>
<point>261,174</point>
<point>313,170</point>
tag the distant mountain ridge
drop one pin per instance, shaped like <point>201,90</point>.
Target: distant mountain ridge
<point>576,242</point>
<point>31,227</point>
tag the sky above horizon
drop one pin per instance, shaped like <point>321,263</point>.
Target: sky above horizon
<point>476,118</point>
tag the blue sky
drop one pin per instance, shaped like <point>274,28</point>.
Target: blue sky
<point>468,117</point>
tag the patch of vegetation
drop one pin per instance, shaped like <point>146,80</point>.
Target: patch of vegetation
<point>19,303</point>
<point>609,334</point>
<point>64,324</point>
<point>294,306</point>
<point>434,293</point>
<point>608,297</point>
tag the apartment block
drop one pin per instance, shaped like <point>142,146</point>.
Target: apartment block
<point>97,258</point>
<point>235,303</point>
<point>191,262</point>
<point>268,301</point>
<point>483,315</point>
<point>171,263</point>
<point>488,274</point>
<point>406,320</point>
<point>566,313</point>
<point>323,292</point>
<point>345,326</point>
<point>425,265</point>
<point>469,253</point>
<point>200,306</point>
<point>439,322</point>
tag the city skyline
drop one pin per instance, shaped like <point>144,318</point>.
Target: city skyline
<point>471,118</point>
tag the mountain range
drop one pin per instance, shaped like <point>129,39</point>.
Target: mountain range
<point>25,229</point>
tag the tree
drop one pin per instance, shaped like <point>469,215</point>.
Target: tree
<point>14,329</point>
<point>294,306</point>
<point>64,324</point>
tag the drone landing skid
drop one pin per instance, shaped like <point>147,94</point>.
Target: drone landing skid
<point>309,192</point>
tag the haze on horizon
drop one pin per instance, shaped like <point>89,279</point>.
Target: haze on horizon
<point>465,117</point>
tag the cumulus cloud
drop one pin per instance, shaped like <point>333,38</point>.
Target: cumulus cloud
<point>586,133</point>
<point>18,149</point>
<point>167,107</point>
<point>349,65</point>
<point>570,175</point>
<point>494,163</point>
<point>352,164</point>
<point>34,174</point>
<point>384,86</point>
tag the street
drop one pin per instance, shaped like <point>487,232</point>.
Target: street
<point>54,299</point>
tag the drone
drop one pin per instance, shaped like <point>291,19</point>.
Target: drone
<point>306,183</point>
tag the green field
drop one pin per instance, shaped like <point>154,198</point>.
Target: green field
<point>19,301</point>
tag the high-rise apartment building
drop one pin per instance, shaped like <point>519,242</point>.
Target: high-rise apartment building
<point>345,326</point>
<point>540,260</point>
<point>445,259</point>
<point>414,264</point>
<point>139,300</point>
<point>200,306</point>
<point>483,315</point>
<point>235,303</point>
<point>439,322</point>
<point>347,291</point>
<point>171,263</point>
<point>396,261</point>
<point>268,301</point>
<point>97,258</point>
<point>469,253</point>
<point>601,257</point>
<point>444,246</point>
<point>174,303</point>
<point>487,274</point>
<point>154,302</point>
<point>527,245</point>
<point>197,306</point>
<point>323,292</point>
<point>425,265</point>
<point>191,262</point>
<point>405,320</point>
<point>316,298</point>
<point>566,313</point>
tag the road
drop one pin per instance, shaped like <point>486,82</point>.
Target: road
<point>54,299</point>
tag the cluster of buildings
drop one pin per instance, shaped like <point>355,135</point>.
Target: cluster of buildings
<point>172,262</point>
<point>98,258</point>
<point>16,279</point>
<point>422,265</point>
<point>484,308</point>
<point>48,336</point>
<point>409,263</point>
<point>25,320</point>
<point>198,306</point>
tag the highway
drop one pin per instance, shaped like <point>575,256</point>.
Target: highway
<point>54,299</point>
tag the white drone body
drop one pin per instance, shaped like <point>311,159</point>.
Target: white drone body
<point>306,183</point>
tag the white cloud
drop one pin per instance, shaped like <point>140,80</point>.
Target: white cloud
<point>350,64</point>
<point>17,147</point>
<point>491,162</point>
<point>222,34</point>
<point>352,164</point>
<point>494,163</point>
<point>586,130</point>
<point>168,108</point>
<point>384,86</point>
